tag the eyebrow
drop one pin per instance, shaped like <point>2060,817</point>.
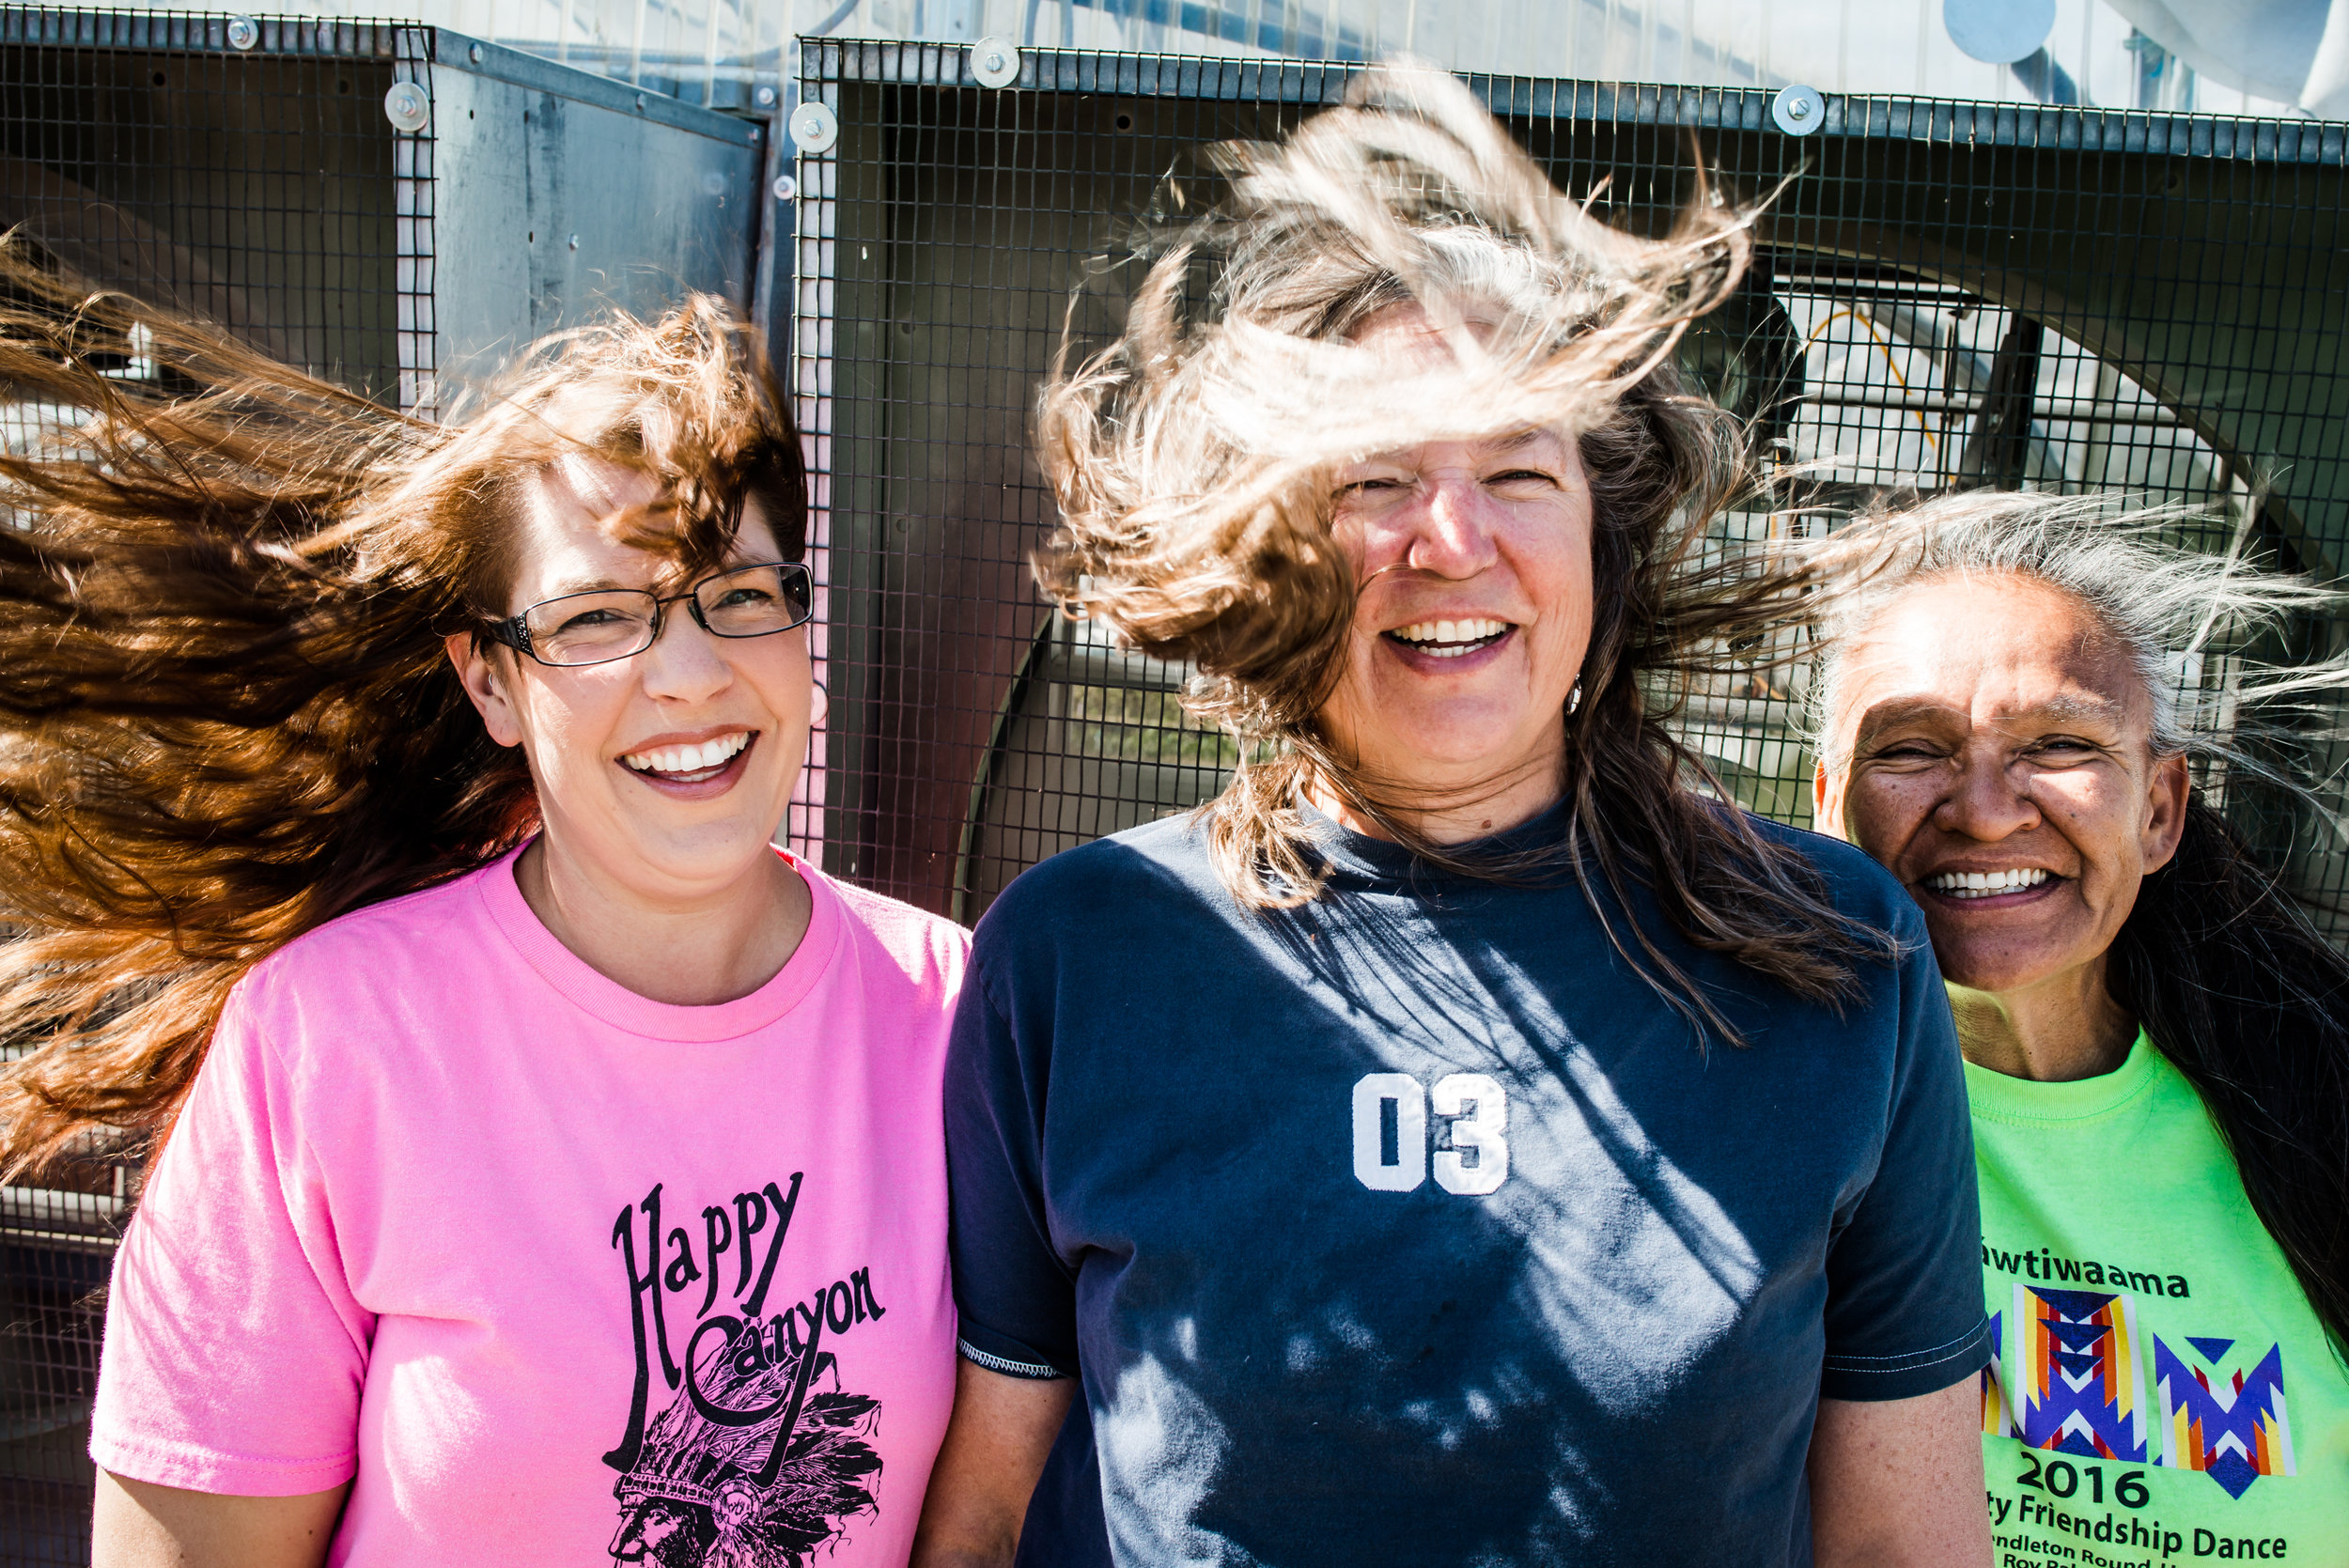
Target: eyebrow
<point>1901,710</point>
<point>592,585</point>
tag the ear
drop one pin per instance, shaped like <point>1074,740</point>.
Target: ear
<point>479,672</point>
<point>2166,794</point>
<point>1827,802</point>
<point>819,708</point>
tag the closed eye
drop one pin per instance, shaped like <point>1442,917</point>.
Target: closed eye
<point>1904,750</point>
<point>585,619</point>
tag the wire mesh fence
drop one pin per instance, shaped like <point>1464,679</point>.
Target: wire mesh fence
<point>1947,294</point>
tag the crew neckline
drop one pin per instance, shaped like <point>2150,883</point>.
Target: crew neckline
<point>1990,1093</point>
<point>1380,860</point>
<point>578,982</point>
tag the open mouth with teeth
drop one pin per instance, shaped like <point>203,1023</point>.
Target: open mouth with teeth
<point>689,764</point>
<point>1965,885</point>
<point>1449,639</point>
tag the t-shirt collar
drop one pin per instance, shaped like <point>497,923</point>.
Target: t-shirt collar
<point>616,1005</point>
<point>2023,1099</point>
<point>1378,860</point>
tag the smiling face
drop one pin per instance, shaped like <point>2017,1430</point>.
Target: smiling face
<point>1474,610</point>
<point>2001,765</point>
<point>668,772</point>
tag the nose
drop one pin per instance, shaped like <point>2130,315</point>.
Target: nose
<point>1450,527</point>
<point>685,664</point>
<point>1983,803</point>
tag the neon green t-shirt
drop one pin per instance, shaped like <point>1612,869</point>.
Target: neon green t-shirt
<point>2162,1391</point>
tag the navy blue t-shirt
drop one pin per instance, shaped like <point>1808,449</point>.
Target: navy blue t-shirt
<point>1413,1226</point>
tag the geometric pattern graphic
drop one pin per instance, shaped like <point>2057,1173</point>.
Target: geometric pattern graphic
<point>2079,1374</point>
<point>2232,1428</point>
<point>1996,1420</point>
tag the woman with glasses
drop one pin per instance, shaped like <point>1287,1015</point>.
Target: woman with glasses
<point>550,1168</point>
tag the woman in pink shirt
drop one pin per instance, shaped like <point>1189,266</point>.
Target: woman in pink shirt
<point>562,1177</point>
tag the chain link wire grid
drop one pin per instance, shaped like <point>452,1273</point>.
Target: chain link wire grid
<point>1947,294</point>
<point>249,178</point>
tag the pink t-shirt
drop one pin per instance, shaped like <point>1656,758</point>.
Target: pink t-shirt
<point>558,1273</point>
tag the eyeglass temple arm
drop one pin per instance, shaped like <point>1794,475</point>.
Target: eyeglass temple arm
<point>513,631</point>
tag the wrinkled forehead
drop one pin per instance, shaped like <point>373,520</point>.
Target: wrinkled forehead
<point>1996,648</point>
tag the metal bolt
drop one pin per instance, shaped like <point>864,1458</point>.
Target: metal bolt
<point>474,54</point>
<point>243,32</point>
<point>995,62</point>
<point>1799,110</point>
<point>408,107</point>
<point>574,241</point>
<point>786,188</point>
<point>814,127</point>
<point>765,97</point>
<point>639,104</point>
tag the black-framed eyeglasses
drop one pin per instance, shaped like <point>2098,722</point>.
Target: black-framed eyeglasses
<point>605,624</point>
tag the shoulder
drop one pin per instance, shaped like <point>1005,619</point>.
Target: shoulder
<point>929,950</point>
<point>379,941</point>
<point>344,987</point>
<point>1081,886</point>
<point>1127,898</point>
<point>1857,886</point>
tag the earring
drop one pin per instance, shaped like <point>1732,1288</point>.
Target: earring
<point>1574,698</point>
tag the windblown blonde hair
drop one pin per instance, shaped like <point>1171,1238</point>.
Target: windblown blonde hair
<point>227,715</point>
<point>1192,461</point>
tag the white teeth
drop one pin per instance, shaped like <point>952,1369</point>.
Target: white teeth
<point>688,759</point>
<point>1449,639</point>
<point>1987,884</point>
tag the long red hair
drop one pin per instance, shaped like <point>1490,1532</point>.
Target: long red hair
<point>226,716</point>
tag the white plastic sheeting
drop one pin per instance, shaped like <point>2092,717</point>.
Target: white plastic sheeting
<point>725,51</point>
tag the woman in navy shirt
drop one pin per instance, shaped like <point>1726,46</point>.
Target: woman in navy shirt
<point>1463,1141</point>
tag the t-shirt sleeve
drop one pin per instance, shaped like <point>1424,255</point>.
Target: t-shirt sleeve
<point>1903,1310</point>
<point>235,1352</point>
<point>1014,1295</point>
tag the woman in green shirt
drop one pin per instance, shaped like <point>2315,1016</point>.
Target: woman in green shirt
<point>2017,697</point>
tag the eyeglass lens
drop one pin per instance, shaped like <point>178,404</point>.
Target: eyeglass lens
<point>589,629</point>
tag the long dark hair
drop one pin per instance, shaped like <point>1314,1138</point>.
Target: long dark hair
<point>2235,987</point>
<point>227,715</point>
<point>1191,463</point>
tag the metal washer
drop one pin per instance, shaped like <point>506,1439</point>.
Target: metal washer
<point>1799,110</point>
<point>995,62</point>
<point>408,106</point>
<point>814,127</point>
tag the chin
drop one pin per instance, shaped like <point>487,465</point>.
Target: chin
<point>704,852</point>
<point>2000,973</point>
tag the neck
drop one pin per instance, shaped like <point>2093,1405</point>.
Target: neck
<point>1486,807</point>
<point>2064,1028</point>
<point>688,949</point>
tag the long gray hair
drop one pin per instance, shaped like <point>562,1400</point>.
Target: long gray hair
<point>1193,463</point>
<point>2218,958</point>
